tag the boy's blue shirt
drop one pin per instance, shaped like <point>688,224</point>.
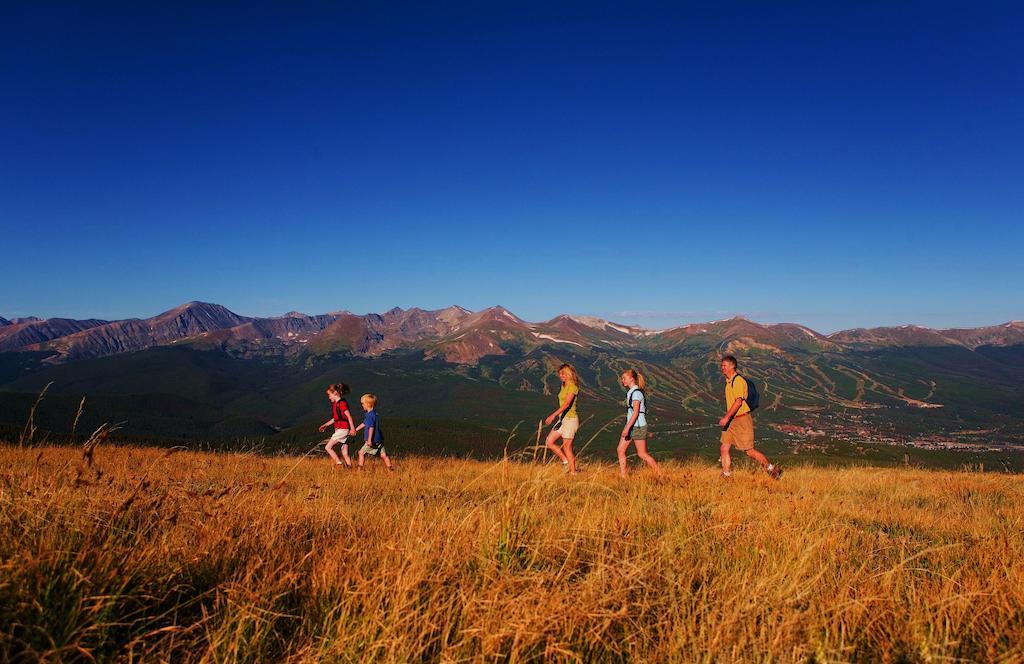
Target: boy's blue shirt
<point>371,421</point>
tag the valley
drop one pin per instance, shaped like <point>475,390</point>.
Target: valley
<point>201,371</point>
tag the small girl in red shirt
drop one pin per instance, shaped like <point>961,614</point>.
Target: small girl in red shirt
<point>341,418</point>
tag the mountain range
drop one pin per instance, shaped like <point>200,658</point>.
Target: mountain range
<point>201,370</point>
<point>455,334</point>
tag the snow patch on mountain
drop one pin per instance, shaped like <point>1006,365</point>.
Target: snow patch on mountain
<point>589,321</point>
<point>561,341</point>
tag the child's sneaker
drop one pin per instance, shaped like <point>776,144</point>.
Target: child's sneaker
<point>774,471</point>
<point>725,475</point>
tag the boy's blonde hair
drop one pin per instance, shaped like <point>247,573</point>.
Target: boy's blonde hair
<point>368,399</point>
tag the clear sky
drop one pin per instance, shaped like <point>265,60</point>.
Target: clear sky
<point>833,164</point>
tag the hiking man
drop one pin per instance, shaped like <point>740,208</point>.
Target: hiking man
<point>737,424</point>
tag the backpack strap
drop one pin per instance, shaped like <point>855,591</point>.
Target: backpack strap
<point>571,402</point>
<point>629,400</point>
<point>732,382</point>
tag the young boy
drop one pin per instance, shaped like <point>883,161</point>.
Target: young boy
<point>373,437</point>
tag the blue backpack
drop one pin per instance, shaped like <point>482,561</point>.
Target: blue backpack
<point>753,398</point>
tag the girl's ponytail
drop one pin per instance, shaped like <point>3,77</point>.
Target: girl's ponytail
<point>637,377</point>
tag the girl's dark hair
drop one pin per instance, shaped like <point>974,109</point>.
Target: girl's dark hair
<point>341,389</point>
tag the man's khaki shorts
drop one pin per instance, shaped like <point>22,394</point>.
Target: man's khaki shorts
<point>740,433</point>
<point>570,426</point>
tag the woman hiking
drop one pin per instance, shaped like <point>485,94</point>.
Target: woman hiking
<point>565,419</point>
<point>635,430</point>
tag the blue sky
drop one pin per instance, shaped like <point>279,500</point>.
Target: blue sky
<point>837,165</point>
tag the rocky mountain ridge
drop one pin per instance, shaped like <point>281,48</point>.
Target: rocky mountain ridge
<point>453,334</point>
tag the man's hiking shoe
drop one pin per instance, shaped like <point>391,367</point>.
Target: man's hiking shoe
<point>774,471</point>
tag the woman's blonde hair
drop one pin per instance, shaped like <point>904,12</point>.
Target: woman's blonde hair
<point>637,377</point>
<point>574,377</point>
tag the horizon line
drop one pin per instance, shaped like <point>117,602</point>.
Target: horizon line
<point>627,314</point>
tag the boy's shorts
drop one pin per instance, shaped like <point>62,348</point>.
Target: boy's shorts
<point>569,427</point>
<point>339,435</point>
<point>637,433</point>
<point>371,450</point>
<point>740,433</point>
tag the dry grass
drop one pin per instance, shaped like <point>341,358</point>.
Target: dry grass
<point>135,554</point>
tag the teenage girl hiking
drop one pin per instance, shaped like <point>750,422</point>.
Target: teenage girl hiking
<point>635,430</point>
<point>341,418</point>
<point>565,418</point>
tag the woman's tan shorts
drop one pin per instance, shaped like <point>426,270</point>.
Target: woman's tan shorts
<point>570,426</point>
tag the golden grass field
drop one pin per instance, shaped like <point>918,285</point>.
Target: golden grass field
<point>135,554</point>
